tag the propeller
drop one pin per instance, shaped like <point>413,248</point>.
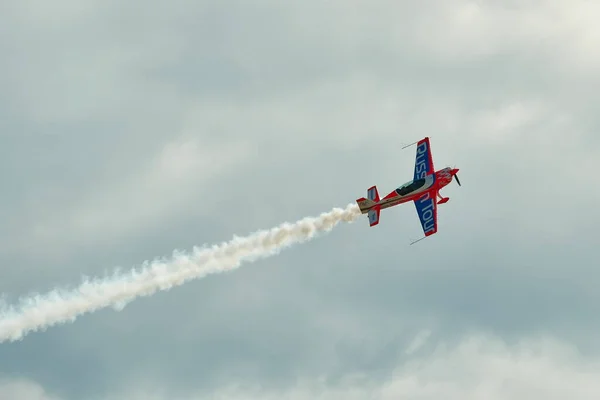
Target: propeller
<point>455,174</point>
<point>457,180</point>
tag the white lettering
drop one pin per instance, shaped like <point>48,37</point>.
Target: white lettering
<point>421,161</point>
<point>427,213</point>
<point>428,217</point>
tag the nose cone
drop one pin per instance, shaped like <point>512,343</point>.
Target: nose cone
<point>454,171</point>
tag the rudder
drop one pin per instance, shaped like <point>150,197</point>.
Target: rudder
<point>364,204</point>
<point>369,205</point>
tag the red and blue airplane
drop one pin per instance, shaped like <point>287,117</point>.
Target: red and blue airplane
<point>423,190</point>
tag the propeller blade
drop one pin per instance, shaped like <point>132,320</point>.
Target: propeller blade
<point>457,180</point>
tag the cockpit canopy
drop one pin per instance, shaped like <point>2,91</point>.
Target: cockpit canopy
<point>410,187</point>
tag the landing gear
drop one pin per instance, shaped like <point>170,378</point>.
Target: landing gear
<point>442,199</point>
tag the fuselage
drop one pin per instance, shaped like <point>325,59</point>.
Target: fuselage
<point>414,189</point>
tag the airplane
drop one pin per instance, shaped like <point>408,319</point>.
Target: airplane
<point>423,190</point>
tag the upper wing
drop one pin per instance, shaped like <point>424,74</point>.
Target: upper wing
<point>426,206</point>
<point>424,160</point>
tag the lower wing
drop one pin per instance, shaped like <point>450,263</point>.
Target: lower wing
<point>427,210</point>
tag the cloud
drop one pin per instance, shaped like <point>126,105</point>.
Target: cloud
<point>129,131</point>
<point>479,366</point>
<point>23,389</point>
<point>558,31</point>
<point>180,175</point>
<point>418,341</point>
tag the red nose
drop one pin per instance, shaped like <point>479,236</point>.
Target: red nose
<point>454,171</point>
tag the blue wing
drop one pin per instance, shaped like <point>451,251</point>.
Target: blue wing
<point>426,206</point>
<point>424,160</point>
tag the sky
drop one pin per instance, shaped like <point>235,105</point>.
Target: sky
<point>128,130</point>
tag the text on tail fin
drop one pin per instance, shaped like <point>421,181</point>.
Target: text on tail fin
<point>364,204</point>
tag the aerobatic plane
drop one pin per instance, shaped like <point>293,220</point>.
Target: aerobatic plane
<point>423,190</point>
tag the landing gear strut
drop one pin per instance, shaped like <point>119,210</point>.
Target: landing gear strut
<point>442,199</point>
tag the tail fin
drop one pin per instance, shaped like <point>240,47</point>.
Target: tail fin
<point>369,206</point>
<point>365,204</point>
<point>373,198</point>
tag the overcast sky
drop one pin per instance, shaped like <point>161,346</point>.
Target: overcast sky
<point>132,128</point>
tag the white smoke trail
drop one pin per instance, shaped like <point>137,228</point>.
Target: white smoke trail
<point>60,306</point>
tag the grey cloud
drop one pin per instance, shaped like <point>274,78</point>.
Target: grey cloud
<point>321,98</point>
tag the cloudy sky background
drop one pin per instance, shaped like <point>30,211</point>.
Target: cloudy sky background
<point>129,129</point>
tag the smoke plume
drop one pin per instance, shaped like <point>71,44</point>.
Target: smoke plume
<point>39,312</point>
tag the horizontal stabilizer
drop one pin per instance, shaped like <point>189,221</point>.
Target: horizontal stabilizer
<point>374,216</point>
<point>373,194</point>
